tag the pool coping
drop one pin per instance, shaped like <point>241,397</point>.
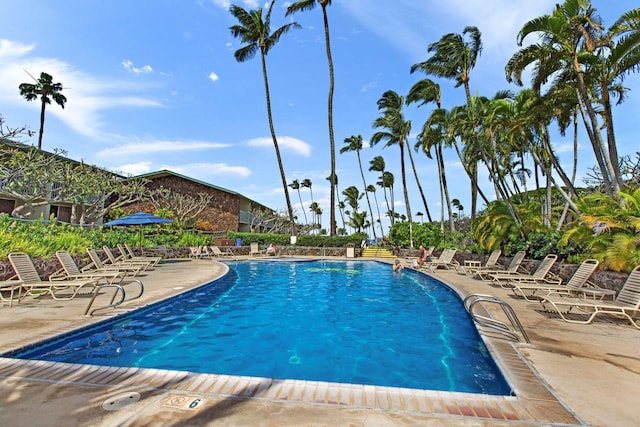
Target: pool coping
<point>533,401</point>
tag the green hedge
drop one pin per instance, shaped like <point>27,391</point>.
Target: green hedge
<point>307,240</point>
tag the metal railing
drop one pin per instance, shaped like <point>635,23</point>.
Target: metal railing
<point>119,290</point>
<point>513,329</point>
<point>231,254</point>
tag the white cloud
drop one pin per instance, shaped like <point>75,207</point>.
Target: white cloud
<point>213,77</point>
<point>10,48</point>
<point>564,147</point>
<point>128,65</point>
<point>284,142</point>
<point>135,168</point>
<point>225,4</point>
<point>159,146</point>
<point>209,169</point>
<point>369,86</point>
<point>498,20</point>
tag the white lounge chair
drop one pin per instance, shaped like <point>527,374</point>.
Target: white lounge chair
<point>218,253</point>
<point>97,264</point>
<point>540,275</point>
<point>513,267</point>
<point>626,304</point>
<point>10,287</point>
<point>129,255</point>
<point>34,285</point>
<point>255,249</point>
<point>71,271</point>
<point>575,284</point>
<point>120,261</point>
<point>445,260</point>
<point>162,251</point>
<point>491,263</point>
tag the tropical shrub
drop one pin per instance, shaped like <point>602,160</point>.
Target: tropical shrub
<point>610,227</point>
<point>427,234</point>
<point>42,238</point>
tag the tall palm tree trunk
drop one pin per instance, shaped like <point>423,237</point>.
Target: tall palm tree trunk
<point>332,144</point>
<point>406,193</point>
<point>415,174</point>
<point>386,201</point>
<point>275,141</point>
<point>609,174</point>
<point>41,124</point>
<point>306,221</point>
<point>443,185</point>
<point>366,193</point>
<point>375,196</point>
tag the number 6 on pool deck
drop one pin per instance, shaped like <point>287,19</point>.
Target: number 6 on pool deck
<point>195,403</point>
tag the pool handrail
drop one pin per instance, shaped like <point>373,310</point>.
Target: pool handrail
<point>515,331</point>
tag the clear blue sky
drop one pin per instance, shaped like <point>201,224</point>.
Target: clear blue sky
<point>153,84</point>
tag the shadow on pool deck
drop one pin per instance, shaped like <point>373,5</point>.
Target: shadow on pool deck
<point>592,373</point>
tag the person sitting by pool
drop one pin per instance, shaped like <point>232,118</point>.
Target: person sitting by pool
<point>397,265</point>
<point>423,256</point>
<point>271,250</point>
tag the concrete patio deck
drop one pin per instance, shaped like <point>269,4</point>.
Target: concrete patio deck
<point>569,375</point>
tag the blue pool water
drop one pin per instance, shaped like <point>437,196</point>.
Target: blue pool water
<point>339,321</point>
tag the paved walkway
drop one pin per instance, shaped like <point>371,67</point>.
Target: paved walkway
<point>569,375</point>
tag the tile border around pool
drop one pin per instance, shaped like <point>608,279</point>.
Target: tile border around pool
<point>533,401</point>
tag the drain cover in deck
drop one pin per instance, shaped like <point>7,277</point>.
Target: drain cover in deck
<point>119,401</point>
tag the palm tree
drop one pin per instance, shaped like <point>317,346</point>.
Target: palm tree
<point>424,92</point>
<point>352,197</point>
<point>46,90</point>
<point>377,165</point>
<point>433,136</point>
<point>306,183</point>
<point>257,35</point>
<point>340,204</point>
<point>316,210</point>
<point>454,58</point>
<point>387,180</point>
<point>572,51</point>
<point>341,207</point>
<point>357,219</point>
<point>397,131</point>
<point>623,58</point>
<point>372,189</point>
<point>354,143</point>
<point>303,5</point>
<point>457,205</point>
<point>295,185</point>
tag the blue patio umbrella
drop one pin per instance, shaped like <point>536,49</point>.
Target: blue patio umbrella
<point>138,218</point>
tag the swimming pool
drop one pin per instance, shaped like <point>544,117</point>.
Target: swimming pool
<point>347,321</point>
